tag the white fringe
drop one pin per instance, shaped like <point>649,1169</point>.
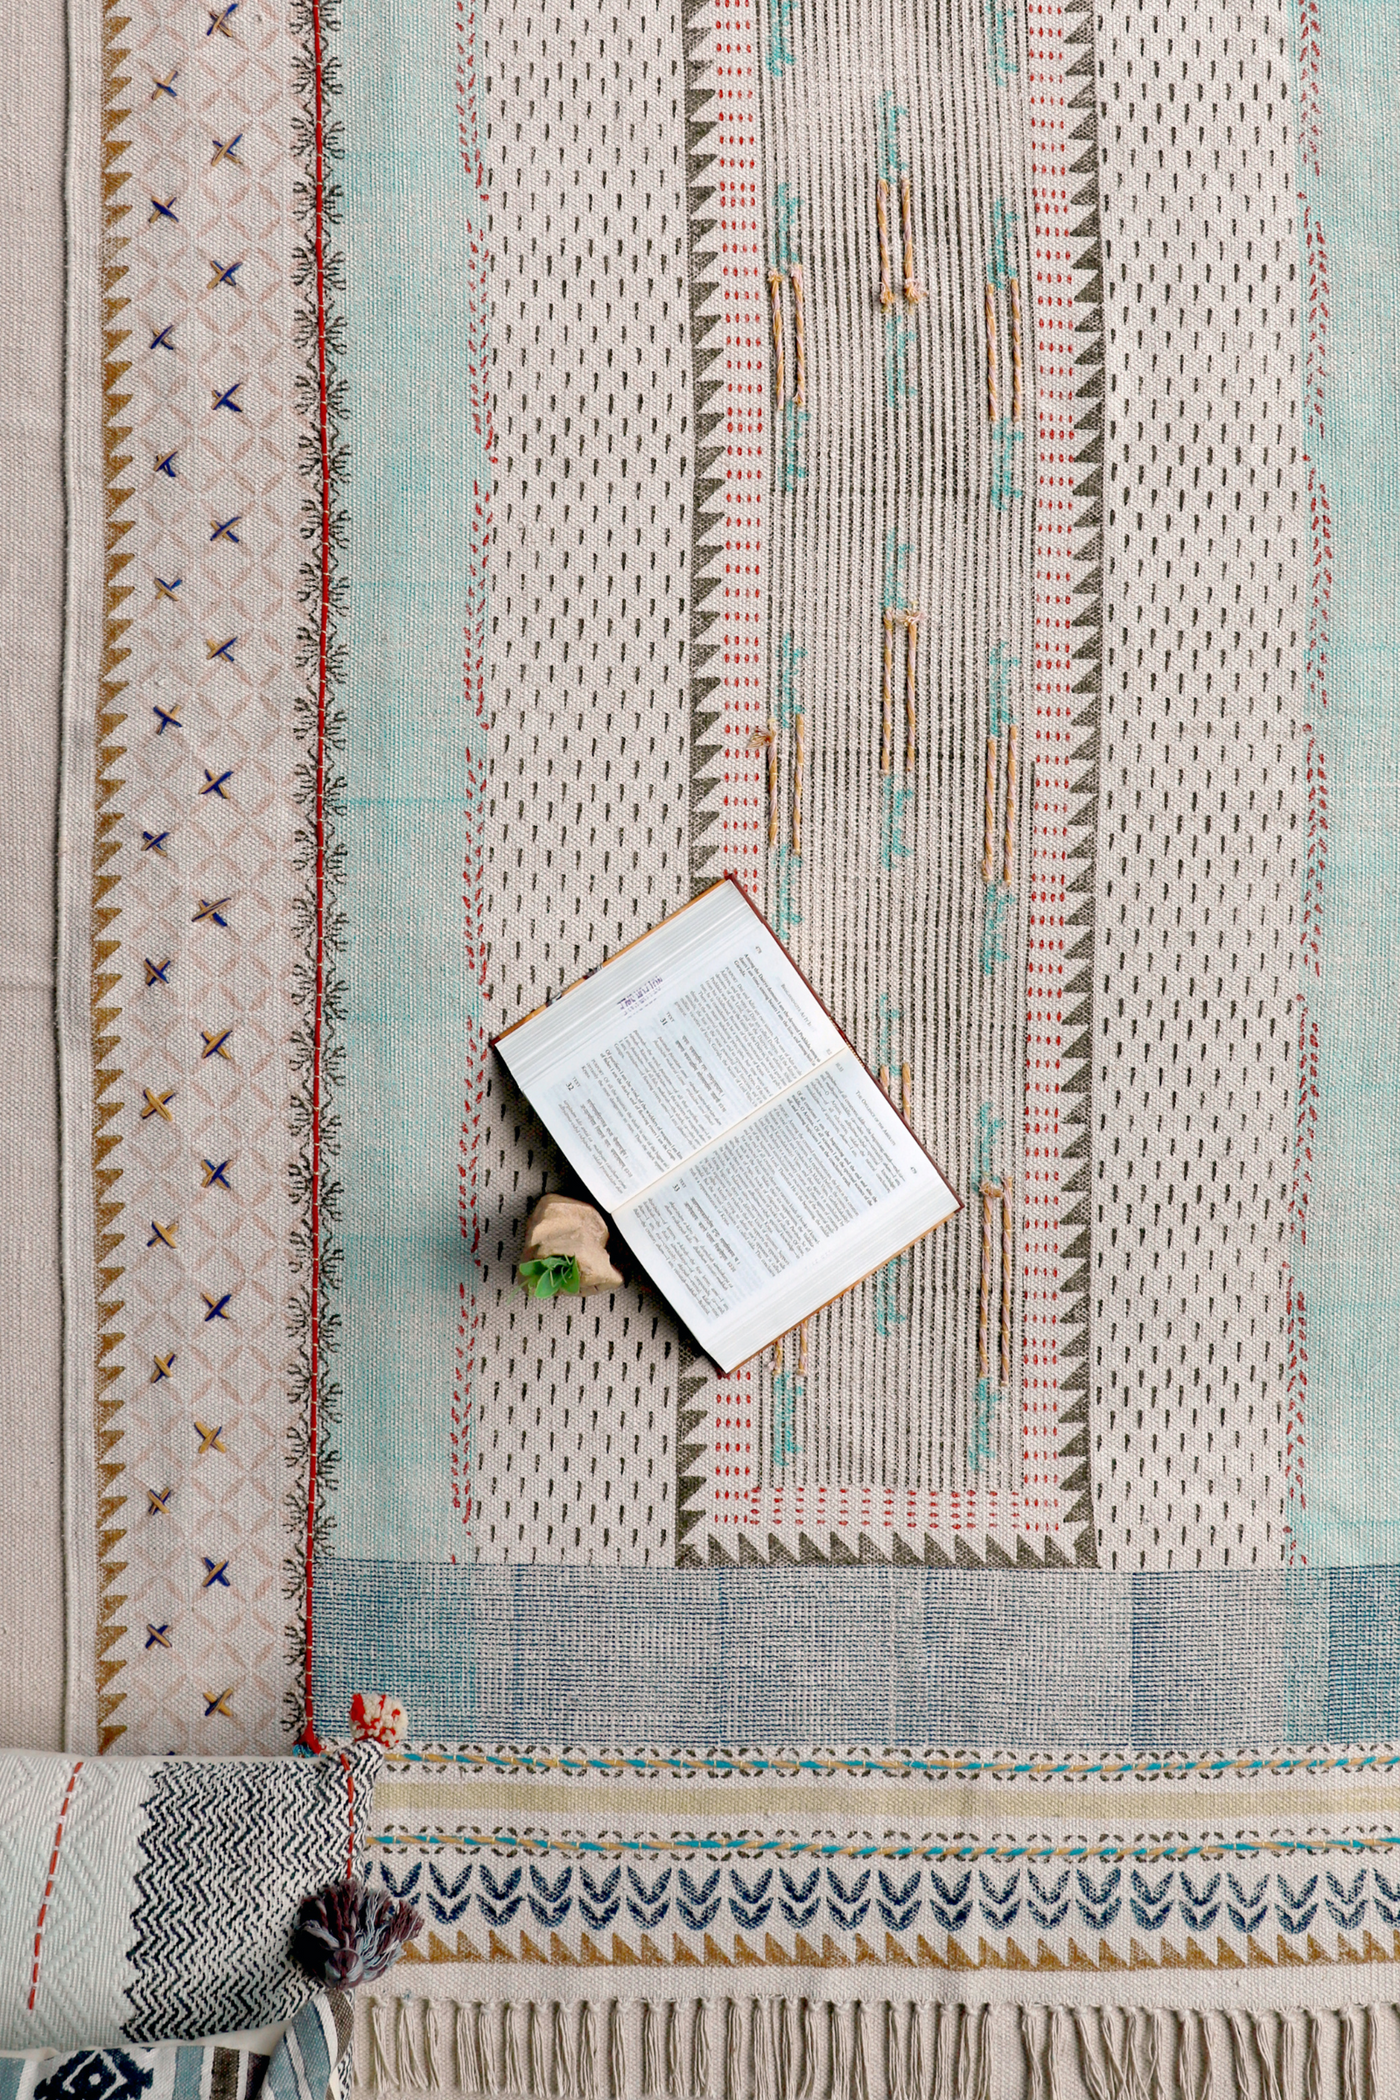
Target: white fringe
<point>700,2051</point>
<point>673,2051</point>
<point>381,2076</point>
<point>733,2051</point>
<point>652,2087</point>
<point>563,2056</point>
<point>587,2055</point>
<point>617,2053</point>
<point>536,2053</point>
<point>780,2048</point>
<point>511,2081</point>
<point>411,2075</point>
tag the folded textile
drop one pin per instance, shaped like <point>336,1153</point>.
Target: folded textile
<point>312,2061</point>
<point>155,1899</point>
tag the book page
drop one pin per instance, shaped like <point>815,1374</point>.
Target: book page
<point>672,1043</point>
<point>787,1211</point>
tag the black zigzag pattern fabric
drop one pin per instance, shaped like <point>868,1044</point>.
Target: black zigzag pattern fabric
<point>228,1853</point>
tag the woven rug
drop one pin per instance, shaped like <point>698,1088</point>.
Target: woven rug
<point>938,465</point>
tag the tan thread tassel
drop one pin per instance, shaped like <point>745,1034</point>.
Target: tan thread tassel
<point>782,2022</point>
<point>882,222</point>
<point>799,390</point>
<point>990,1193</point>
<point>1008,836</point>
<point>1015,290</point>
<point>673,2049</point>
<point>534,2047</point>
<point>775,295</point>
<point>911,718</point>
<point>913,290</point>
<point>1207,2086</point>
<point>885,1079</point>
<point>887,695</point>
<point>767,740</point>
<point>1006,1256</point>
<point>989,811</point>
<point>802,1333</point>
<point>991,310</point>
<point>798,772</point>
<point>381,2070</point>
<point>906,1098</point>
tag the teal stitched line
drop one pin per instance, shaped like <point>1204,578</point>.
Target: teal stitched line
<point>812,1848</point>
<point>717,1766</point>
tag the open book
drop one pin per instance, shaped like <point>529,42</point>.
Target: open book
<point>705,1097</point>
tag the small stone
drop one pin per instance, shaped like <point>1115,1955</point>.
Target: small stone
<point>562,1225</point>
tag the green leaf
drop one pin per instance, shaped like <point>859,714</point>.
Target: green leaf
<point>550,1275</point>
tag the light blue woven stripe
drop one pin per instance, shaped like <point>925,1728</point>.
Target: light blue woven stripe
<point>1349,1271</point>
<point>189,2079</point>
<point>866,1655</point>
<point>409,210</point>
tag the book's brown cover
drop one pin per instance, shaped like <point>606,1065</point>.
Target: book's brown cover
<point>587,978</point>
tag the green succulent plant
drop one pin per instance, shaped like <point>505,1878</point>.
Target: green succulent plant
<point>551,1275</point>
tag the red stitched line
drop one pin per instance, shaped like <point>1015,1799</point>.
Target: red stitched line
<point>48,1885</point>
<point>318,1012</point>
<point>350,1812</point>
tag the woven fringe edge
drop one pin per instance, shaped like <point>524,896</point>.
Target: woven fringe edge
<point>818,2049</point>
